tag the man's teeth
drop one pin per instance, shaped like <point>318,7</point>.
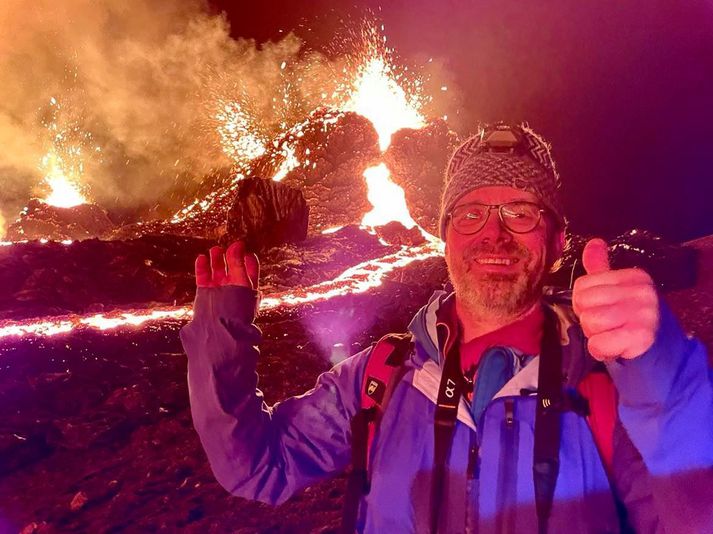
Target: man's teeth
<point>495,261</point>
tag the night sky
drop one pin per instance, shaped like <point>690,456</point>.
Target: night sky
<point>622,89</point>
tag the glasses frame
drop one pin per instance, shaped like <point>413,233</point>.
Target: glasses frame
<point>499,207</point>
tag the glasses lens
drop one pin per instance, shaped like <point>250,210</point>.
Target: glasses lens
<point>520,217</point>
<point>469,218</point>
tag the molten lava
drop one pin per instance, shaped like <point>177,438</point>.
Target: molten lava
<point>378,96</point>
<point>375,89</point>
<point>63,164</point>
<point>64,191</point>
<point>357,279</point>
<point>387,198</point>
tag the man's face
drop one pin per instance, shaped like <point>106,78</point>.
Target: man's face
<point>497,272</point>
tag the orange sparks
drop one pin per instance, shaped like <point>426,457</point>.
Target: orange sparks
<point>63,165</point>
<point>64,190</point>
<point>377,95</point>
<point>357,279</point>
<point>237,133</point>
<point>289,162</point>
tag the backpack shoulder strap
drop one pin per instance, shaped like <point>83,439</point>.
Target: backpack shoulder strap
<point>384,369</point>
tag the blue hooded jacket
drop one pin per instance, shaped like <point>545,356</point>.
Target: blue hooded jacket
<point>662,471</point>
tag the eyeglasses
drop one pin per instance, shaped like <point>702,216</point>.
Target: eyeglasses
<point>519,217</point>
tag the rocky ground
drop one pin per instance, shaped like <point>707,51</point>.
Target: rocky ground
<point>96,434</point>
<point>95,428</point>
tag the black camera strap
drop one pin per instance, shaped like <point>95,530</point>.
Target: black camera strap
<point>547,423</point>
<point>450,392</point>
<point>545,464</point>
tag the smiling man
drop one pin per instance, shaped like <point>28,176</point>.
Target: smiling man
<point>507,408</point>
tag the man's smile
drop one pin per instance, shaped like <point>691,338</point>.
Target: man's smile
<point>496,260</point>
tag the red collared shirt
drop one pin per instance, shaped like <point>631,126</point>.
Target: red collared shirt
<point>524,335</point>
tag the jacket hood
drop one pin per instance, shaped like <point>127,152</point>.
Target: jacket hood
<point>423,324</point>
<point>423,328</point>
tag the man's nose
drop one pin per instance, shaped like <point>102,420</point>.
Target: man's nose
<point>494,231</point>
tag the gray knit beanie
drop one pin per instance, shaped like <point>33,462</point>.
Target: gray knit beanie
<point>503,154</point>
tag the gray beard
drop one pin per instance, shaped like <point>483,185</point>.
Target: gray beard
<point>492,295</point>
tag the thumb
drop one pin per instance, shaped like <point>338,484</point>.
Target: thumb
<point>595,256</point>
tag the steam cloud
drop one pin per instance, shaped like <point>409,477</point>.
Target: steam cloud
<point>142,79</point>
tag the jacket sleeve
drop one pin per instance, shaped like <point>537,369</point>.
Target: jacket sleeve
<point>666,408</point>
<point>257,451</point>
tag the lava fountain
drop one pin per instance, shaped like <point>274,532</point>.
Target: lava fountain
<point>64,191</point>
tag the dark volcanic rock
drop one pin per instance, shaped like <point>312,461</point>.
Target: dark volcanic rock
<point>266,213</point>
<point>417,160</point>
<point>93,276</point>
<point>672,266</point>
<point>204,214</point>
<point>319,258</point>
<point>396,233</point>
<point>99,276</point>
<point>339,148</point>
<point>39,220</point>
<point>324,157</point>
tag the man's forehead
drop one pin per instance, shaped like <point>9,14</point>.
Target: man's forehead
<point>496,194</point>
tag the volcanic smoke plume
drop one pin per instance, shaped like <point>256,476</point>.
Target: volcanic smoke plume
<point>120,95</point>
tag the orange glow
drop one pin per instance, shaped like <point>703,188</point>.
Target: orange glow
<point>378,96</point>
<point>289,162</point>
<point>357,279</point>
<point>63,164</point>
<point>386,197</point>
<point>64,190</point>
<point>237,134</point>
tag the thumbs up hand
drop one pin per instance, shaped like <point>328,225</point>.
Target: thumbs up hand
<point>618,309</point>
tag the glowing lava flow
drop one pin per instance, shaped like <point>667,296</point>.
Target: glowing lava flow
<point>357,279</point>
<point>387,198</point>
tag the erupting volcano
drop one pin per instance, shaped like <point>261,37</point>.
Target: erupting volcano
<point>335,158</point>
<point>340,201</point>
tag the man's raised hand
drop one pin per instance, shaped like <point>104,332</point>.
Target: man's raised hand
<point>234,267</point>
<point>618,309</point>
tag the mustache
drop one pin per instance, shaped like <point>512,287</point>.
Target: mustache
<point>511,249</point>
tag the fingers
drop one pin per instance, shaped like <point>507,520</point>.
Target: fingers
<point>217,264</point>
<point>617,309</point>
<point>622,342</point>
<point>203,274</point>
<point>234,267</point>
<point>595,256</point>
<point>593,296</point>
<point>252,265</point>
<point>629,277</point>
<point>600,319</point>
<point>237,274</point>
